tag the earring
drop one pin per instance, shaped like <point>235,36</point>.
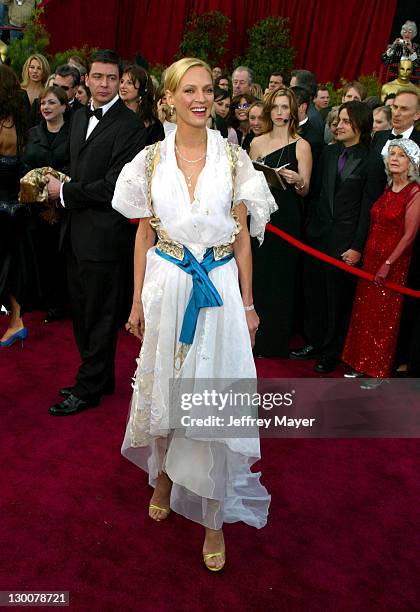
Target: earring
<point>172,111</point>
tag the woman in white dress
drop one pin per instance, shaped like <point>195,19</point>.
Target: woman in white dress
<point>194,191</point>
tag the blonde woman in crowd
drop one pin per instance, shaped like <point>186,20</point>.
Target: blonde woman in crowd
<point>35,73</point>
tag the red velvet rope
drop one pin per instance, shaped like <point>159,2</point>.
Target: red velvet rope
<point>339,264</point>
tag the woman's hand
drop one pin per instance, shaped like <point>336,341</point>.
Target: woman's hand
<point>382,273</point>
<point>291,177</point>
<point>253,322</point>
<point>135,323</point>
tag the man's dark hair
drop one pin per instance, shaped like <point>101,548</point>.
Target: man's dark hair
<point>306,79</point>
<point>361,118</point>
<point>105,56</point>
<point>390,96</point>
<point>281,74</point>
<point>302,95</point>
<point>321,87</point>
<point>65,70</point>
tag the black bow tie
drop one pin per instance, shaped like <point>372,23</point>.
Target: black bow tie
<point>94,113</point>
<point>393,136</point>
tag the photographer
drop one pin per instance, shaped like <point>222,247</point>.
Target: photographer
<point>404,47</point>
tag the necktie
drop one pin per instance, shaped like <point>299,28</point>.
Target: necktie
<point>394,136</point>
<point>94,113</point>
<point>342,161</point>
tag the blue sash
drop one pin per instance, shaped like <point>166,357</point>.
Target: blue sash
<point>204,293</point>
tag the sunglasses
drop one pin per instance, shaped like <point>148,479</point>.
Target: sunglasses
<point>65,87</point>
<point>242,106</point>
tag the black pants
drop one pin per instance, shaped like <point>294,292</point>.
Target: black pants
<point>97,292</point>
<point>329,294</point>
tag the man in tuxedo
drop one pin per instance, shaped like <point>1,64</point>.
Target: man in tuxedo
<point>405,112</point>
<point>103,137</point>
<point>348,182</point>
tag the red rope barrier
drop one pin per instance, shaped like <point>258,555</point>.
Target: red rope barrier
<point>337,263</point>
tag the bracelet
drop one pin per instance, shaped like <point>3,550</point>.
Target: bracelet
<point>250,307</point>
<point>300,187</point>
<point>388,263</point>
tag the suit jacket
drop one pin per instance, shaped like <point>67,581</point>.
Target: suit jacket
<point>339,212</point>
<point>380,138</point>
<point>97,231</point>
<point>41,152</point>
<point>316,120</point>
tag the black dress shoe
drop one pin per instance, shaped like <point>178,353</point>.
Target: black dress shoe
<point>71,405</point>
<point>325,365</point>
<point>306,352</point>
<point>66,391</point>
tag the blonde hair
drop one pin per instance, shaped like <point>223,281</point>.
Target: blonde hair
<point>44,65</point>
<point>176,71</point>
<point>256,91</point>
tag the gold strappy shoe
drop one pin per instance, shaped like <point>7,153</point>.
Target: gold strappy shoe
<point>207,556</point>
<point>166,511</point>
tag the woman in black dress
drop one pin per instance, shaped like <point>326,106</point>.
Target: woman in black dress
<point>13,237</point>
<point>48,146</point>
<point>275,262</point>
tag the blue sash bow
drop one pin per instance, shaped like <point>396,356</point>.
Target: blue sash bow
<point>204,293</point>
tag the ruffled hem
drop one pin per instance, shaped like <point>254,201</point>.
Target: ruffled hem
<point>221,489</point>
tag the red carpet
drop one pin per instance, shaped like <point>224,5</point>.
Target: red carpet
<point>341,534</point>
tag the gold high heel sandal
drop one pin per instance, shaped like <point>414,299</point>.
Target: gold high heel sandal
<point>166,511</point>
<point>207,556</point>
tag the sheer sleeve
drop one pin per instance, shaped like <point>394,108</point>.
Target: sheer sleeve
<point>251,188</point>
<point>411,224</point>
<point>131,190</point>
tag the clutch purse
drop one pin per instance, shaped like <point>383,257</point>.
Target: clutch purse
<point>34,189</point>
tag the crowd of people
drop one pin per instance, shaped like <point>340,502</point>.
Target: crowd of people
<point>164,171</point>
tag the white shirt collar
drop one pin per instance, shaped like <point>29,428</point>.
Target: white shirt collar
<point>303,121</point>
<point>405,134</point>
<point>107,106</point>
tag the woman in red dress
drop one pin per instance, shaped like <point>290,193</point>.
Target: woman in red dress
<point>395,219</point>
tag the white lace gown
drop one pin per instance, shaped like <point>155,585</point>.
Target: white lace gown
<point>212,480</point>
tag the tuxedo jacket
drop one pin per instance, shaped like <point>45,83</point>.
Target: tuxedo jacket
<point>41,152</point>
<point>380,138</point>
<point>339,211</point>
<point>97,232</point>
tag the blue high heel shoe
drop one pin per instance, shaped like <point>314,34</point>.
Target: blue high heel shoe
<point>21,335</point>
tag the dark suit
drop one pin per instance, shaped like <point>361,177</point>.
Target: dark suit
<point>408,350</point>
<point>97,239</point>
<point>338,220</point>
<point>316,120</point>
